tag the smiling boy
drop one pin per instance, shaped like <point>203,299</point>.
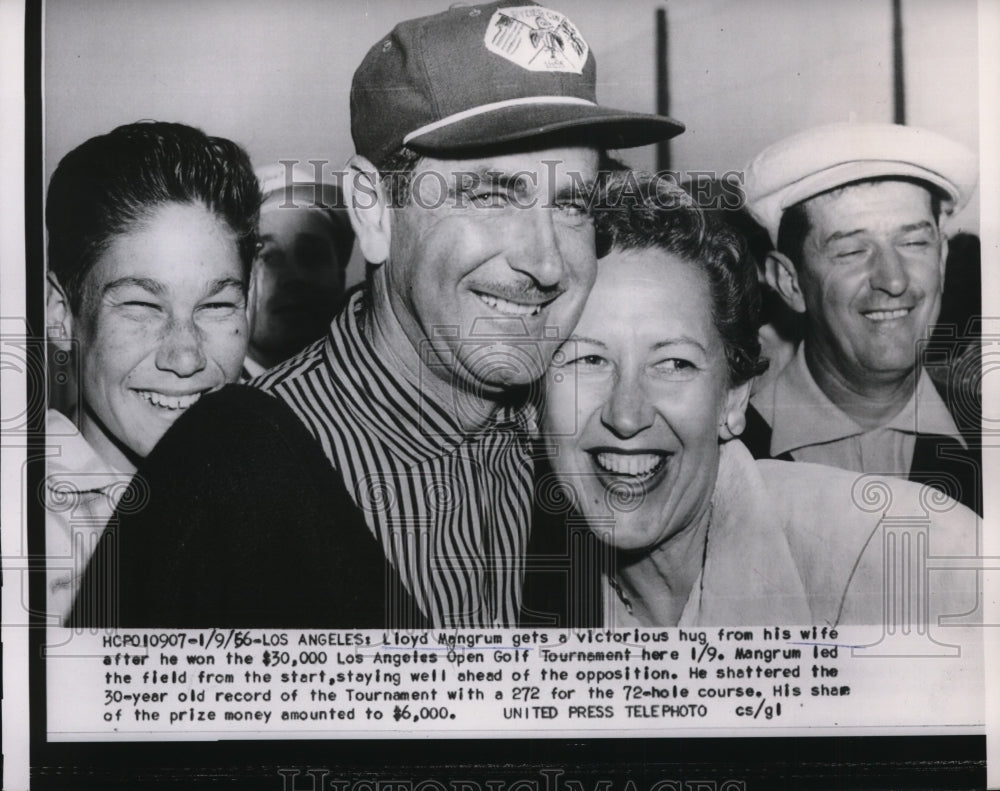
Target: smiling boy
<point>151,231</point>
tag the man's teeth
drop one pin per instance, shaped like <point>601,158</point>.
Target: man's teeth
<point>169,402</point>
<point>887,315</point>
<point>639,465</point>
<point>511,308</point>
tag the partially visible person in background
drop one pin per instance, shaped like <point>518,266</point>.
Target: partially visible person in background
<point>152,229</point>
<point>953,358</point>
<point>297,284</point>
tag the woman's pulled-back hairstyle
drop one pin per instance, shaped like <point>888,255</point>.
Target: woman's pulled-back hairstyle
<point>640,211</point>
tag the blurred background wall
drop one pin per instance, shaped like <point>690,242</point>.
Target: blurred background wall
<point>276,76</point>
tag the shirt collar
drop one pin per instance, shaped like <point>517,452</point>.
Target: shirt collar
<point>749,575</point>
<point>251,369</point>
<point>927,413</point>
<point>393,406</point>
<point>77,468</point>
<point>808,417</point>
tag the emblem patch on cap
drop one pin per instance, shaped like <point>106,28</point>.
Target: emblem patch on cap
<point>536,39</point>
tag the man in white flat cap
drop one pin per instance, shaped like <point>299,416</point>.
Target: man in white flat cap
<point>854,212</point>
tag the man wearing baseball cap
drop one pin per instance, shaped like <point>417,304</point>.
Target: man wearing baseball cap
<point>384,479</point>
<point>855,213</point>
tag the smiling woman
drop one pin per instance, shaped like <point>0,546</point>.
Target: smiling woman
<point>644,404</point>
<point>151,231</point>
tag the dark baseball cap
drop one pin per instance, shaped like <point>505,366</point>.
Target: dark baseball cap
<point>481,76</point>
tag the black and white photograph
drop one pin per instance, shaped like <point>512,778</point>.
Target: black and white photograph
<point>499,395</point>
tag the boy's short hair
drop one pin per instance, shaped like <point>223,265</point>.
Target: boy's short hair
<point>112,182</point>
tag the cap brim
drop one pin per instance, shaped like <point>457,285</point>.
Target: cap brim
<point>590,125</point>
<point>841,175</point>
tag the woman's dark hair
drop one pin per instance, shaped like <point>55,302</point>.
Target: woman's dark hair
<point>641,211</point>
<point>107,185</point>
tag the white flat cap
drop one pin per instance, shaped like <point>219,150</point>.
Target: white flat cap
<point>825,157</point>
<point>297,184</point>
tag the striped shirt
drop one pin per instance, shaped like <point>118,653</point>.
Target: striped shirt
<point>451,509</point>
